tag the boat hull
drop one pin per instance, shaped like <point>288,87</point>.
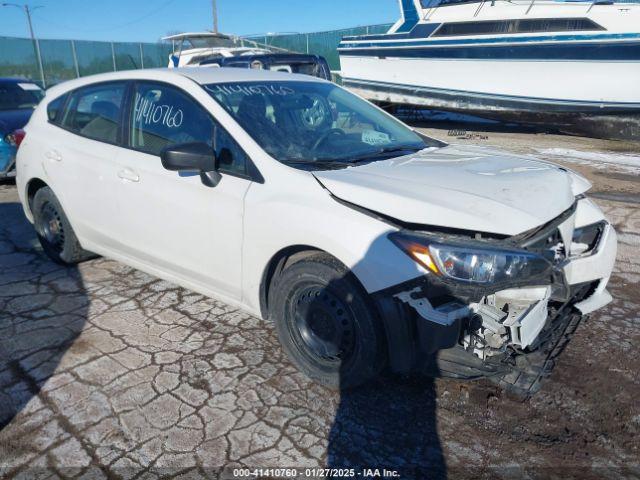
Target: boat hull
<point>601,96</point>
<point>575,65</point>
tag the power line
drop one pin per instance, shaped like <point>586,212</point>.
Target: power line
<point>106,29</point>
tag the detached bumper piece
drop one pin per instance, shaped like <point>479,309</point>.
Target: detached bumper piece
<point>519,373</point>
<point>512,337</point>
<point>443,348</point>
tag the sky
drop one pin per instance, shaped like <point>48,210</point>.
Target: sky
<point>137,20</point>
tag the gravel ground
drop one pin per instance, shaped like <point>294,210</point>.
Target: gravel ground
<point>107,372</point>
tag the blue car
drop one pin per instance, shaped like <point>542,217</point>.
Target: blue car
<point>18,98</point>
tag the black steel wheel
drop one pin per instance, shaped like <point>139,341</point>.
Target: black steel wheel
<point>51,228</point>
<point>326,323</point>
<point>54,231</point>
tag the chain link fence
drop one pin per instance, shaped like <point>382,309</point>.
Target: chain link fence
<point>66,59</point>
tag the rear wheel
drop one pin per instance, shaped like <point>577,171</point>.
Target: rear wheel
<point>325,322</point>
<point>54,231</point>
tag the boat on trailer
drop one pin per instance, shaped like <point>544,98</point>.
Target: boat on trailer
<point>573,65</point>
<point>191,49</point>
<point>212,49</point>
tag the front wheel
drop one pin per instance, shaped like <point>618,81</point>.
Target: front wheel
<point>54,231</point>
<point>326,323</point>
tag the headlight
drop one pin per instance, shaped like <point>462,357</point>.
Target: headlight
<point>471,264</point>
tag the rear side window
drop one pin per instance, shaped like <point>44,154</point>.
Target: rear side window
<point>94,112</point>
<point>54,109</point>
<point>163,116</point>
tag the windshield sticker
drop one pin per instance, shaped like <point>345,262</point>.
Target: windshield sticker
<point>250,90</point>
<point>373,137</point>
<point>151,113</point>
<point>29,86</point>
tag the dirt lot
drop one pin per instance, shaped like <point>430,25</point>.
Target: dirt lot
<point>107,372</point>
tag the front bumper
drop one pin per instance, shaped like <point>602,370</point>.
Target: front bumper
<point>520,372</point>
<point>594,267</point>
<point>512,336</point>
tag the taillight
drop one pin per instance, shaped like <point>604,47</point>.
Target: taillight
<point>16,137</point>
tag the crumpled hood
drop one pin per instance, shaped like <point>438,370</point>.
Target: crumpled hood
<point>470,188</point>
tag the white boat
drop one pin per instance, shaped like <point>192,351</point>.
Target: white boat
<point>543,61</point>
<point>191,49</point>
<point>209,49</point>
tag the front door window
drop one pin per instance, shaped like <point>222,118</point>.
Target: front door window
<point>163,116</point>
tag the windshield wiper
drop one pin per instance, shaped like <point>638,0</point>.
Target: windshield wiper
<point>385,151</point>
<point>319,163</point>
<point>346,162</point>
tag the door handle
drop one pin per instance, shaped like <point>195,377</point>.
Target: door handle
<point>129,175</point>
<point>53,155</point>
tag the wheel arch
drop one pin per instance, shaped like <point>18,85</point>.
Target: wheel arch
<point>32,187</point>
<point>396,320</point>
<point>276,264</point>
<point>280,260</point>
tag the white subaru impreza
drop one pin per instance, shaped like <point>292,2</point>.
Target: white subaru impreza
<point>369,245</point>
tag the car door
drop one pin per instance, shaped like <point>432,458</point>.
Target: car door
<point>80,155</point>
<point>170,221</point>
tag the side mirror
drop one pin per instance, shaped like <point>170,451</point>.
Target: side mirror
<point>190,157</point>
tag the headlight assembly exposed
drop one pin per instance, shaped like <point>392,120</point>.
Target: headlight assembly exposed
<point>585,239</point>
<point>471,263</point>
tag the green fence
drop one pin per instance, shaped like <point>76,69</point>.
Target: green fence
<point>319,43</point>
<point>66,59</point>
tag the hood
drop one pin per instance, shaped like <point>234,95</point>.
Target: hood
<point>11,120</point>
<point>469,188</point>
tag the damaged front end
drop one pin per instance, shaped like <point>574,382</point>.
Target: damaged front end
<point>496,306</point>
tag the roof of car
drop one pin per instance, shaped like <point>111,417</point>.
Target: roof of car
<point>201,75</point>
<point>204,75</point>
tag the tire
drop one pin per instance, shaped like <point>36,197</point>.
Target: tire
<point>326,323</point>
<point>54,231</point>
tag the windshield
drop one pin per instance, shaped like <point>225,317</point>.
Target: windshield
<point>17,96</point>
<point>209,42</point>
<point>314,122</point>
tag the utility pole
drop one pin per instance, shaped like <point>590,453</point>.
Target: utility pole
<point>214,5</point>
<point>36,45</point>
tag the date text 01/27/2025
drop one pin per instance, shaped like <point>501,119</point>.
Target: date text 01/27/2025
<point>314,473</point>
